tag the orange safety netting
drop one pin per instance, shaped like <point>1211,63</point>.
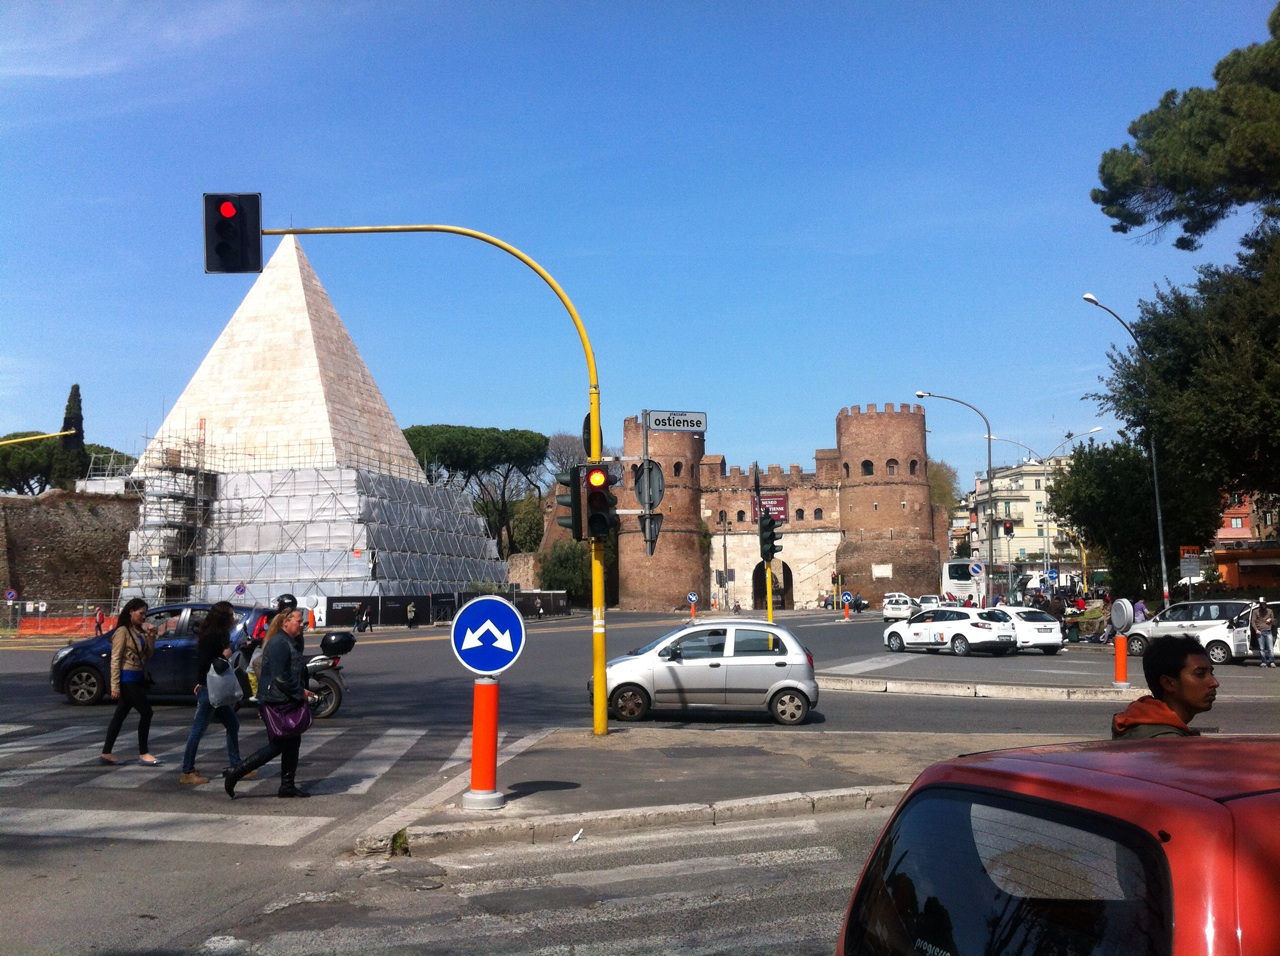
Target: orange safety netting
<point>56,626</point>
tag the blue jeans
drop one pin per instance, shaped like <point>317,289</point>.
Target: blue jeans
<point>1265,647</point>
<point>226,716</point>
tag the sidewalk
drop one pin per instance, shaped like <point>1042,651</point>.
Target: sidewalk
<point>568,780</point>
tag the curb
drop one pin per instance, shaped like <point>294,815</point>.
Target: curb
<point>878,685</point>
<point>550,828</point>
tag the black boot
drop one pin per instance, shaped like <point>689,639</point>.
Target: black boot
<point>287,786</point>
<point>233,775</point>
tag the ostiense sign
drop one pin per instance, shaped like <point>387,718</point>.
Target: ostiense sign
<point>677,421</point>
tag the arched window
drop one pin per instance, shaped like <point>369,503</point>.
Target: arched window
<point>817,514</point>
<point>891,467</point>
<point>914,464</point>
<point>799,514</point>
<point>742,516</point>
<point>676,469</point>
<point>723,517</point>
<point>846,469</point>
<point>868,468</point>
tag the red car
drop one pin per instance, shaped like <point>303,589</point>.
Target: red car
<point>1164,847</point>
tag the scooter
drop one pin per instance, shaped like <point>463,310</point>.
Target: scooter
<point>324,673</point>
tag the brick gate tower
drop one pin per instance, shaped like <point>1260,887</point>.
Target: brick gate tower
<point>885,513</point>
<point>679,565</point>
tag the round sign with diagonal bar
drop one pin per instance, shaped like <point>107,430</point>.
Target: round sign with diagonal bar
<point>976,569</point>
<point>487,635</point>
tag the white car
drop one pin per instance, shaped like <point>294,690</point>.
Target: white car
<point>963,629</point>
<point>1186,617</point>
<point>928,601</point>
<point>1036,630</point>
<point>899,607</point>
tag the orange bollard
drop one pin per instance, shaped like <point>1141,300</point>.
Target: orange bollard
<point>846,610</point>
<point>484,793</point>
<point>693,610</point>
<point>1122,660</point>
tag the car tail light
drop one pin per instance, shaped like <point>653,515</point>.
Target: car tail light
<point>982,624</point>
<point>808,656</point>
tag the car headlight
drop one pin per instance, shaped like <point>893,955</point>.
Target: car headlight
<point>59,655</point>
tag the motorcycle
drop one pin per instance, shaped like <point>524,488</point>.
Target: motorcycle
<point>324,673</point>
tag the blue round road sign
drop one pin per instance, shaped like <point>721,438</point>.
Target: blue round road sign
<point>976,569</point>
<point>487,635</point>
<point>846,598</point>
<point>11,595</point>
<point>692,597</point>
<point>1053,574</point>
<point>240,589</point>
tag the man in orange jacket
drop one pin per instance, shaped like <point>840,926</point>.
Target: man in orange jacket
<point>1180,676</point>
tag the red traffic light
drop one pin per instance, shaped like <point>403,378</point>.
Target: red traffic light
<point>598,477</point>
<point>228,210</point>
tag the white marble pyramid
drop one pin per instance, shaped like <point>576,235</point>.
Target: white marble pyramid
<point>284,386</point>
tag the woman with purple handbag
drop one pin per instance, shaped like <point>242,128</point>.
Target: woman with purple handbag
<point>283,696</point>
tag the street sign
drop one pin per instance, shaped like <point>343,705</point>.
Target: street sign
<point>650,485</point>
<point>11,595</point>
<point>1189,568</point>
<point>692,597</point>
<point>1053,574</point>
<point>846,598</point>
<point>677,421</point>
<point>240,589</point>
<point>976,569</point>
<point>487,635</point>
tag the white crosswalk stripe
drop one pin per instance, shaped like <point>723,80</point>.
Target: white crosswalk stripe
<point>128,775</point>
<point>13,728</point>
<point>252,830</point>
<point>312,741</point>
<point>40,741</point>
<point>359,773</point>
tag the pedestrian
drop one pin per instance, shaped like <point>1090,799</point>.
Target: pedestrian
<point>1139,611</point>
<point>213,642</point>
<point>1180,677</point>
<point>283,684</point>
<point>132,645</point>
<point>537,607</point>
<point>411,615</point>
<point>99,620</point>
<point>968,601</point>
<point>1262,623</point>
<point>366,618</point>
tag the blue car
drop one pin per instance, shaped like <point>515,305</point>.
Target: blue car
<point>82,670</point>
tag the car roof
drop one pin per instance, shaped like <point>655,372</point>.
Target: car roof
<point>1215,768</point>
<point>729,622</point>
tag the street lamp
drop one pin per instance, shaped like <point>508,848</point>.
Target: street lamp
<point>991,511</point>
<point>1151,446</point>
<point>1044,461</point>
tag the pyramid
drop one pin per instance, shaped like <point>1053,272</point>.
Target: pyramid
<point>284,386</point>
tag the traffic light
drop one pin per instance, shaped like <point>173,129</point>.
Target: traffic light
<point>602,504</point>
<point>232,232</point>
<point>768,536</point>
<point>1008,529</point>
<point>571,499</point>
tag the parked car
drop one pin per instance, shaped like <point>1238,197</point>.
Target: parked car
<point>1035,629</point>
<point>1138,847</point>
<point>1185,617</point>
<point>899,607</point>
<point>1231,642</point>
<point>928,601</point>
<point>715,665</point>
<point>963,629</point>
<point>82,670</point>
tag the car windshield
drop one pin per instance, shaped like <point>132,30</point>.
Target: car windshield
<point>654,643</point>
<point>1037,616</point>
<point>964,872</point>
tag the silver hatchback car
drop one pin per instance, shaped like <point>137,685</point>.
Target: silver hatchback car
<point>715,665</point>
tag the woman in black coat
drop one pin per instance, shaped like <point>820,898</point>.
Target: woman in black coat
<point>283,682</point>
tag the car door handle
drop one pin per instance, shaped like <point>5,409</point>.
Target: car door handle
<point>779,663</point>
<point>715,663</point>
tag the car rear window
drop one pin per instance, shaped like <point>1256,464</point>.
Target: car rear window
<point>966,872</point>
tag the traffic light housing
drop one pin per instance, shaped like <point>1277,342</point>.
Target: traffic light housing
<point>232,232</point>
<point>602,503</point>
<point>571,498</point>
<point>768,536</point>
<point>1008,529</point>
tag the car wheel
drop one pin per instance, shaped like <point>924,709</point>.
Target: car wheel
<point>960,646</point>
<point>85,686</point>
<point>789,707</point>
<point>629,702</point>
<point>328,696</point>
<point>1219,653</point>
<point>1050,651</point>
<point>1137,645</point>
<point>895,642</point>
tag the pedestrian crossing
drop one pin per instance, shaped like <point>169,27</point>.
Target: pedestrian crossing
<point>335,761</point>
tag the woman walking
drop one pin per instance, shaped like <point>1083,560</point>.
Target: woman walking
<point>131,647</point>
<point>212,642</point>
<point>282,686</point>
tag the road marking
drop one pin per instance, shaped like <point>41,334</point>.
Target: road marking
<point>130,775</point>
<point>462,752</point>
<point>872,664</point>
<point>241,828</point>
<point>43,740</point>
<point>312,740</point>
<point>49,765</point>
<point>359,773</point>
<point>13,728</point>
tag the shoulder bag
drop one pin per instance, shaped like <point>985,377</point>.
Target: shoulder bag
<point>286,720</point>
<point>221,683</point>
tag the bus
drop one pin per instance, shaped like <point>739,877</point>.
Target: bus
<point>958,583</point>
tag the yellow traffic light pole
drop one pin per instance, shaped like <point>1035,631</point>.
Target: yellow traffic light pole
<point>594,453</point>
<point>14,441</point>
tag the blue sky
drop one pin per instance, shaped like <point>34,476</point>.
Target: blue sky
<point>766,211</point>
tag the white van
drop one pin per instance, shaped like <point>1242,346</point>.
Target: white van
<point>1210,621</point>
<point>1232,643</point>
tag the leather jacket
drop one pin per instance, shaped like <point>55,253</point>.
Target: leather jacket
<point>284,666</point>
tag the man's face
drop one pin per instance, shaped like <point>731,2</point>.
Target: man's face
<point>1194,690</point>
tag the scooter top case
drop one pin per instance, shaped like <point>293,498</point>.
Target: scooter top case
<point>337,643</point>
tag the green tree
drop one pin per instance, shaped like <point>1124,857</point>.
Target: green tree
<point>527,523</point>
<point>70,460</point>
<point>943,489</point>
<point>1106,498</point>
<point>496,466</point>
<point>25,466</point>
<point>567,567</point>
<point>1200,155</point>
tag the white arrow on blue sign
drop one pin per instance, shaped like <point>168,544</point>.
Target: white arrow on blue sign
<point>487,635</point>
<point>692,597</point>
<point>1053,574</point>
<point>846,598</point>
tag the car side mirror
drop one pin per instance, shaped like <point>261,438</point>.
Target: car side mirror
<point>672,653</point>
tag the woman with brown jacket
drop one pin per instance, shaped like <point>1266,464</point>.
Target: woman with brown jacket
<point>132,643</point>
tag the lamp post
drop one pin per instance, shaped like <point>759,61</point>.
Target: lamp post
<point>1151,446</point>
<point>1044,461</point>
<point>991,511</point>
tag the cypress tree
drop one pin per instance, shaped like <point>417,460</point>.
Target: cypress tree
<point>71,460</point>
